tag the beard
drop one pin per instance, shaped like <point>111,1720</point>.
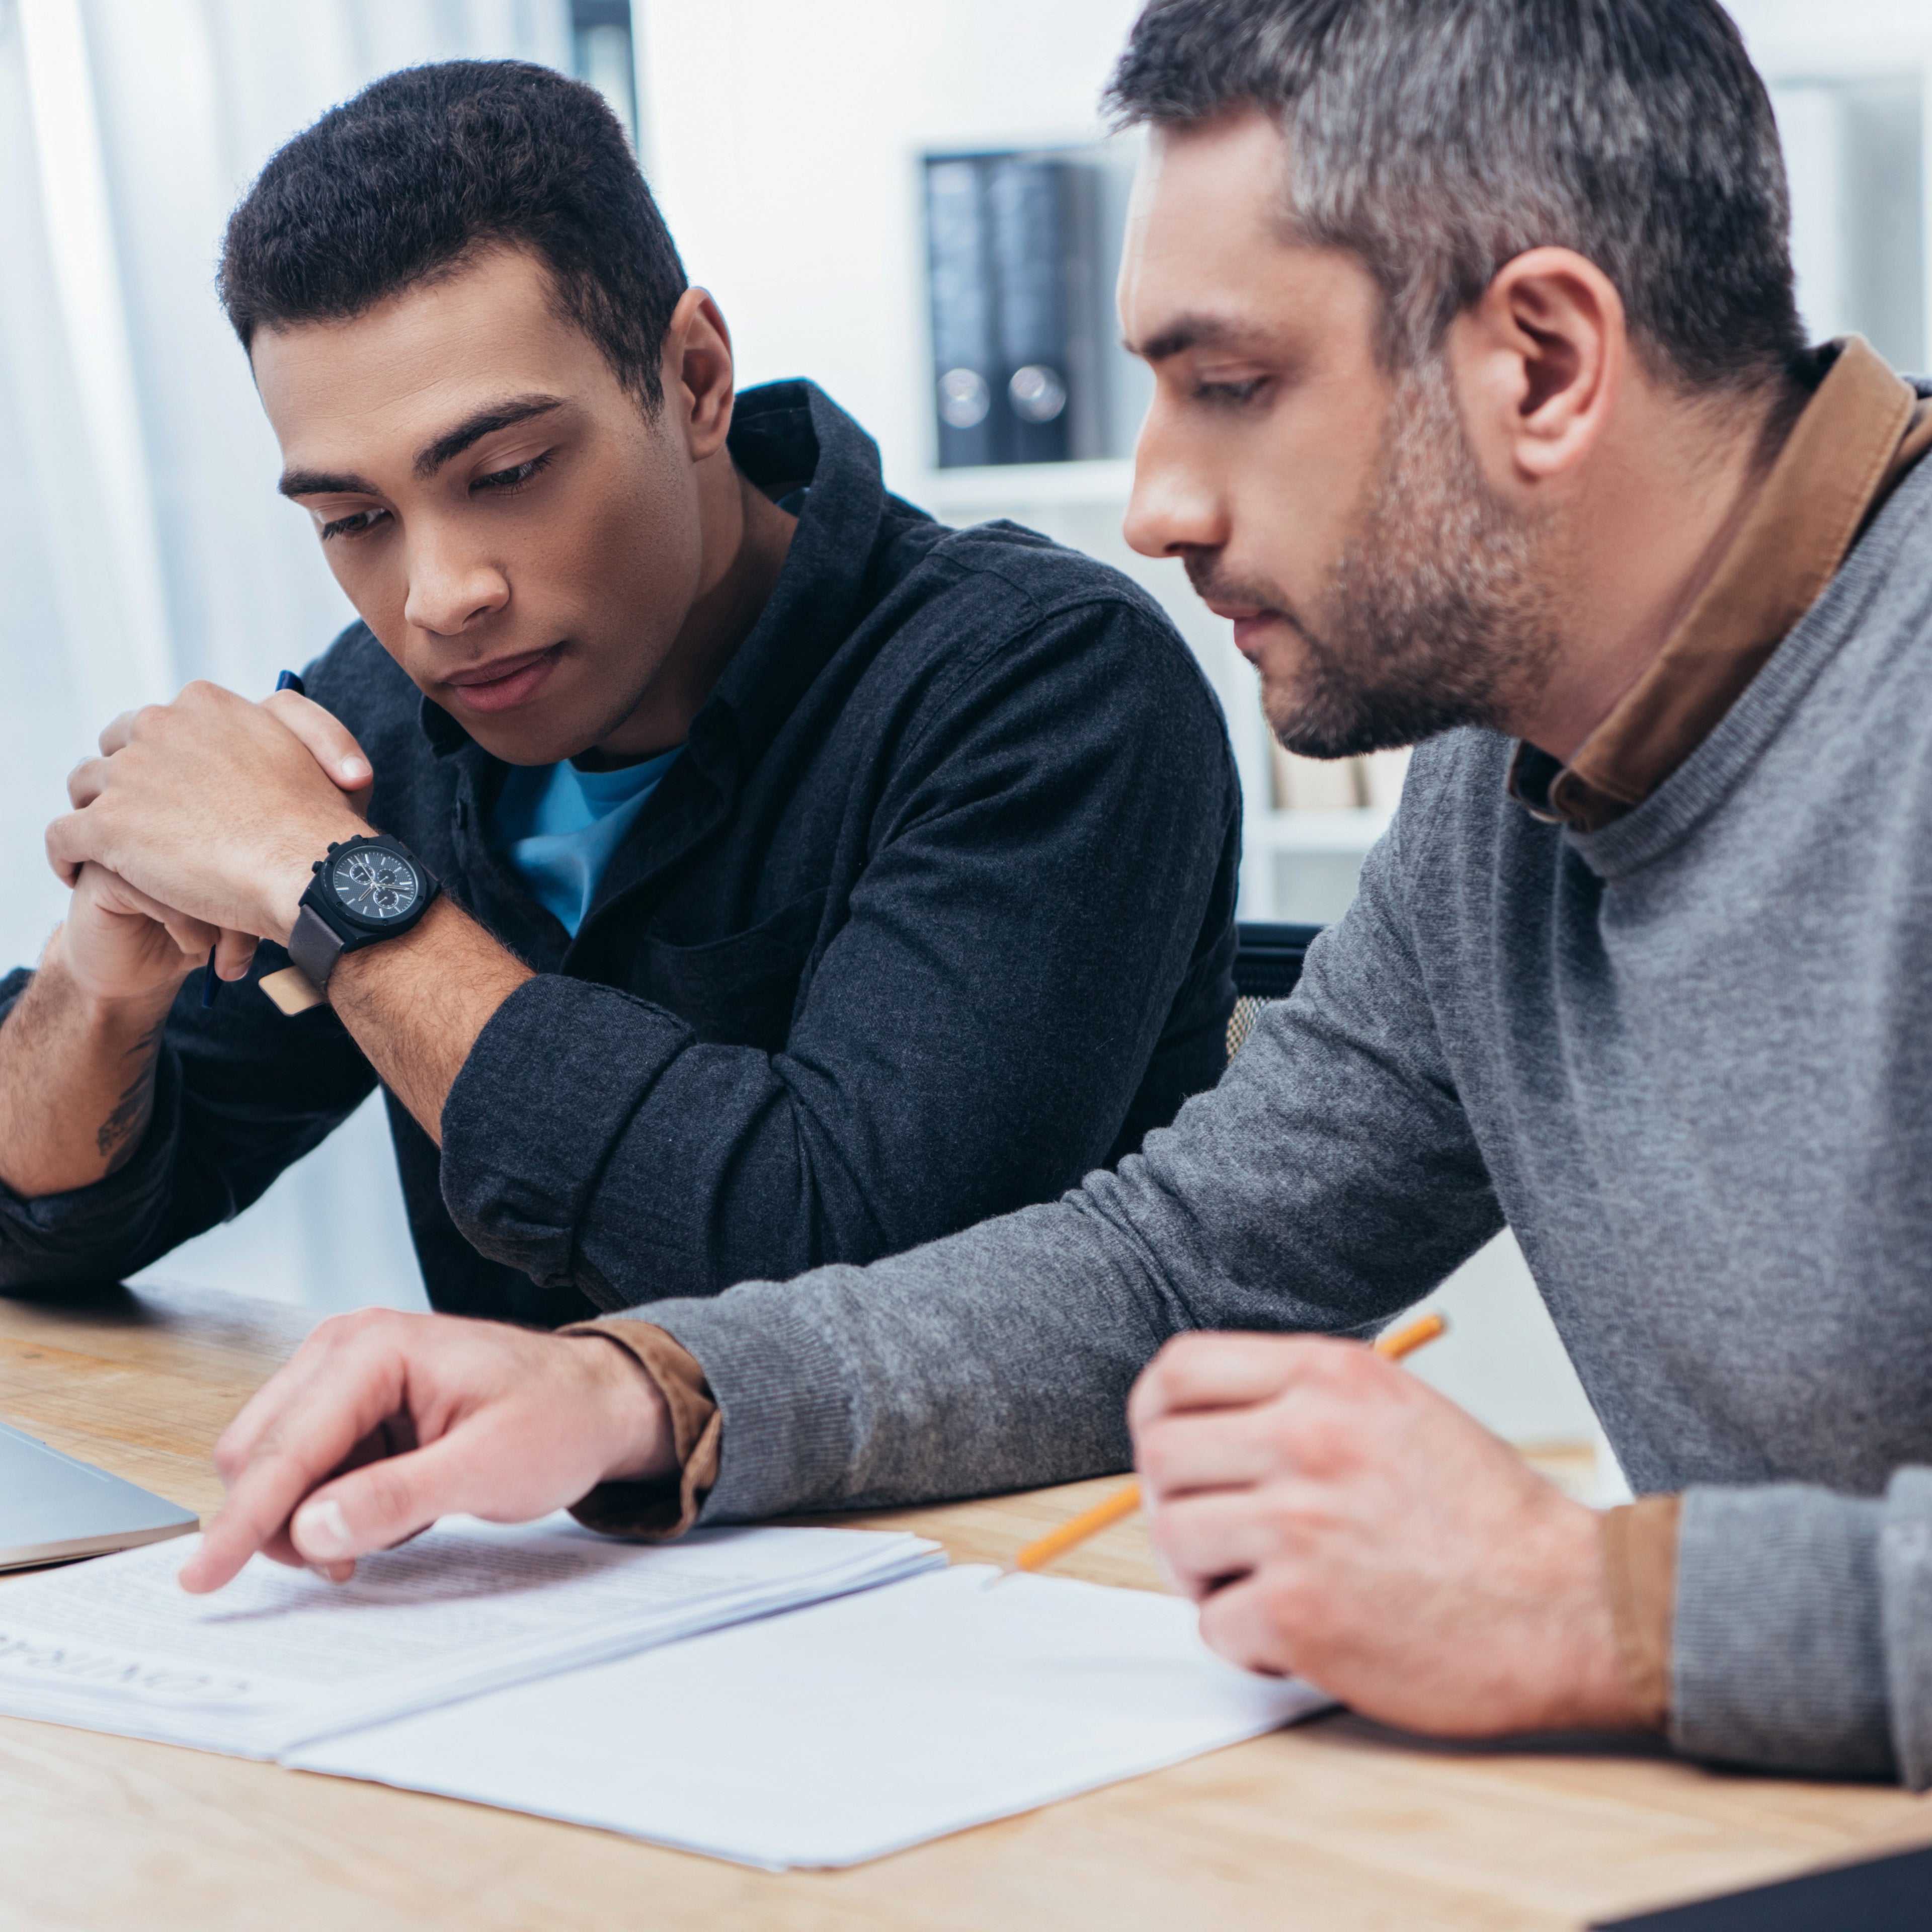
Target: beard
<point>1436,613</point>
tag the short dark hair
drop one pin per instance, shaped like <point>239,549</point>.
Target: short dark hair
<point>1434,140</point>
<point>425,167</point>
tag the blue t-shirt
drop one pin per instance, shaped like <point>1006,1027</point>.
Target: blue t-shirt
<point>558,827</point>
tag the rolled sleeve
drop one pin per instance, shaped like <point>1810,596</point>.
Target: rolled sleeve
<point>549,1088</point>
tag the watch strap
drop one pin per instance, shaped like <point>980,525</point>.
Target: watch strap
<point>314,946</point>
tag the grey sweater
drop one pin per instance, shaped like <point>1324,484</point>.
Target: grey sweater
<point>1687,1058</point>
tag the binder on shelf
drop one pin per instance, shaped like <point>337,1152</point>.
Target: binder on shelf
<point>1017,333</point>
<point>962,312</point>
<point>1023,208</point>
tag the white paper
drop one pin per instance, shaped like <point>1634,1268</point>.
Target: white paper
<point>281,1655</point>
<point>842,1732</point>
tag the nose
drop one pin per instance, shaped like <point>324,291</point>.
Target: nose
<point>1178,506</point>
<point>451,588</point>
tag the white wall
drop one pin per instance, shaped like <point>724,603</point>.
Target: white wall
<point>1811,55</point>
<point>1781,33</point>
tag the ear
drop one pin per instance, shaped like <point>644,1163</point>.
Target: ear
<point>1538,362</point>
<point>699,381</point>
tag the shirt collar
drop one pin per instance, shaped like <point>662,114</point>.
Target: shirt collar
<point>793,432</point>
<point>1862,429</point>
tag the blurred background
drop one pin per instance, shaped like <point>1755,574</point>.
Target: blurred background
<point>916,204</point>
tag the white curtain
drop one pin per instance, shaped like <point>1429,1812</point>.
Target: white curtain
<point>141,543</point>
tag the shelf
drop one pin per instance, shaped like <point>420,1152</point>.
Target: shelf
<point>1013,485</point>
<point>1350,832</point>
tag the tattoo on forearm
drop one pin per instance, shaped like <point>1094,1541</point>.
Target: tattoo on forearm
<point>121,1133</point>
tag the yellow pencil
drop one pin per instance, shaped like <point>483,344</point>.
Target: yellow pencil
<point>1049,1548</point>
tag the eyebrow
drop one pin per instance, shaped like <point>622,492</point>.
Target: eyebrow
<point>323,483</point>
<point>1191,331</point>
<point>431,457</point>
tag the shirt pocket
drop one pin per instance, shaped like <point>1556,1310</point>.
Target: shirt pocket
<point>739,991</point>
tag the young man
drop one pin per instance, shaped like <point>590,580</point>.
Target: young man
<point>815,880</point>
<point>1482,409</point>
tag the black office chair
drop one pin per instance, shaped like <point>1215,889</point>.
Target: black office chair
<point>1268,962</point>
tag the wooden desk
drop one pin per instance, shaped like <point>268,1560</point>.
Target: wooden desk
<point>1336,1824</point>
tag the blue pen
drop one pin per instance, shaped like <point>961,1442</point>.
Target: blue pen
<point>288,681</point>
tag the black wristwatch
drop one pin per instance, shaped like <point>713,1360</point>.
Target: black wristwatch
<point>367,890</point>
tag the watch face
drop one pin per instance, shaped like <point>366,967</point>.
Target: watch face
<point>374,885</point>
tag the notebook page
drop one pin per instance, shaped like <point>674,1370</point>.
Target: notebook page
<point>849,1729</point>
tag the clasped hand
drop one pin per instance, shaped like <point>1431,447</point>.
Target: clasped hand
<point>196,829</point>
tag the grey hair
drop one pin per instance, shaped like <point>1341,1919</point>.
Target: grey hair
<point>1435,140</point>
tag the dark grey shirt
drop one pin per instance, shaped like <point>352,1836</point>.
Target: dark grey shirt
<point>1688,1058</point>
<point>935,912</point>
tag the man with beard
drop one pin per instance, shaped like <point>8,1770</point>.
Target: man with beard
<point>1483,411</point>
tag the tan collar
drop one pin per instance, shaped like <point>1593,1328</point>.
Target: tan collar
<point>1862,430</point>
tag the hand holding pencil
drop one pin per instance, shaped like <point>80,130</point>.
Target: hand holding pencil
<point>1336,1519</point>
<point>1392,1347</point>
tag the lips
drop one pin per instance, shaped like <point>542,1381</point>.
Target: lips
<point>1248,634</point>
<point>503,683</point>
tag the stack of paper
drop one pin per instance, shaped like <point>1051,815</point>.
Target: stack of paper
<point>281,1656</point>
<point>849,1729</point>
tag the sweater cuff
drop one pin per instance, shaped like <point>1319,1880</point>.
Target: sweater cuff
<point>668,1506</point>
<point>1778,1652</point>
<point>1905,1574</point>
<point>1639,1545</point>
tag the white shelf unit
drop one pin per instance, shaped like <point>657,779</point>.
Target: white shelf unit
<point>1352,832</point>
<point>1302,865</point>
<point>1298,866</point>
<point>994,490</point>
